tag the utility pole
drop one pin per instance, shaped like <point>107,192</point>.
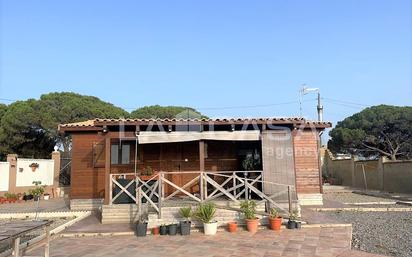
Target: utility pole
<point>320,108</point>
<point>304,91</point>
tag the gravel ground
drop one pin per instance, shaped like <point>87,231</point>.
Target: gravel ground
<point>56,222</point>
<point>354,198</point>
<point>387,233</point>
<point>380,206</point>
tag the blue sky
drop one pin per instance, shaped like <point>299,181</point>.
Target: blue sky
<point>209,54</point>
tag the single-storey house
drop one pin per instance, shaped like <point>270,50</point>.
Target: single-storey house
<point>120,161</point>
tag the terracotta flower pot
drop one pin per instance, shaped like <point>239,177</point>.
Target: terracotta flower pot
<point>232,227</point>
<point>155,231</point>
<point>252,225</point>
<point>275,223</point>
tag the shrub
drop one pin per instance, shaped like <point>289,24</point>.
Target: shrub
<point>38,190</point>
<point>248,207</point>
<point>11,196</point>
<point>293,215</point>
<point>274,213</point>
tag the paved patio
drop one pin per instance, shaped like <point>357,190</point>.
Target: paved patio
<point>305,242</point>
<point>52,205</point>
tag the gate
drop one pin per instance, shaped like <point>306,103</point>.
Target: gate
<point>65,168</point>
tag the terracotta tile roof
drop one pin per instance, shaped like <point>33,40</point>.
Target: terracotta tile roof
<point>86,123</point>
<point>102,122</point>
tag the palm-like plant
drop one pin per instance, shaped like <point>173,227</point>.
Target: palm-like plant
<point>186,212</point>
<point>206,212</point>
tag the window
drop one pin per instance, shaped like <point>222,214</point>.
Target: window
<point>120,154</point>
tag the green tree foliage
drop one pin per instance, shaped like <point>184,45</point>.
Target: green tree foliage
<point>379,130</point>
<point>29,128</point>
<point>58,108</point>
<point>3,109</point>
<point>21,131</point>
<point>163,112</point>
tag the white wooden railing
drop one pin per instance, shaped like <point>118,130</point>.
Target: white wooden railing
<point>232,185</point>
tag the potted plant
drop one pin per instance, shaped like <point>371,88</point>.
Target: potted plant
<point>275,221</point>
<point>155,231</point>
<point>10,197</point>
<point>248,207</point>
<point>172,229</point>
<point>27,197</point>
<point>147,174</point>
<point>292,220</point>
<point>251,161</point>
<point>37,191</point>
<point>141,227</point>
<point>163,230</point>
<point>46,196</point>
<point>232,227</point>
<point>185,212</point>
<point>205,213</point>
<point>34,166</point>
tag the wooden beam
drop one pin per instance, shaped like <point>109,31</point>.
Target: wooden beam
<point>202,155</point>
<point>107,163</point>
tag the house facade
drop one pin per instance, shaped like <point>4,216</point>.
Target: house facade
<point>195,158</point>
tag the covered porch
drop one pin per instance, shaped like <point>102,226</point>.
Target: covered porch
<point>161,169</point>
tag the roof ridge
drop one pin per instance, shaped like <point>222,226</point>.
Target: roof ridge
<point>92,122</point>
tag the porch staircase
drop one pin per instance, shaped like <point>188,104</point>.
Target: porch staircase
<point>171,215</point>
<point>128,213</point>
<point>119,213</point>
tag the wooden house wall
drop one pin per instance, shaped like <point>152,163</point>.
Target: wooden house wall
<point>87,181</point>
<point>88,178</point>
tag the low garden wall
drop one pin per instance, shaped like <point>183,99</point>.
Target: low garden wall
<point>382,174</point>
<point>18,174</point>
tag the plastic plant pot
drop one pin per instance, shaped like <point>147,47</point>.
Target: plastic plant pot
<point>172,228</point>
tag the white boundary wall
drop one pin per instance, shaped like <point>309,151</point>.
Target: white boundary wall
<point>25,175</point>
<point>4,176</point>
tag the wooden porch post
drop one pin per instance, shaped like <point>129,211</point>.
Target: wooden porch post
<point>202,169</point>
<point>202,155</point>
<point>107,171</point>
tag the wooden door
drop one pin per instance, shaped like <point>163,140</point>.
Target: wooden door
<point>181,159</point>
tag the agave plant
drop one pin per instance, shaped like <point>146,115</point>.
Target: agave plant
<point>206,212</point>
<point>186,212</point>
